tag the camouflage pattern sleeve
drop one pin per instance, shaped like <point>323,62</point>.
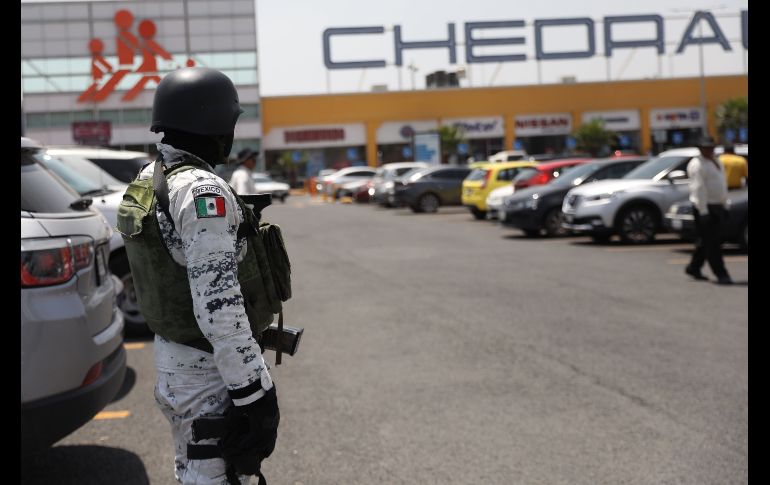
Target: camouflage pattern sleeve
<point>207,217</point>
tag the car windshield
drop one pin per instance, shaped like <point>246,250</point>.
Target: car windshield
<point>477,174</point>
<point>525,174</point>
<point>575,175</point>
<point>82,184</point>
<point>411,173</point>
<point>652,168</point>
<point>90,170</point>
<point>124,170</point>
<point>41,189</point>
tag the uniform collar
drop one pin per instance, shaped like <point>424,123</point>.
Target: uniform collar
<point>174,156</point>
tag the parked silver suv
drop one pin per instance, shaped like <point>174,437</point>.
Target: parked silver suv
<point>72,358</point>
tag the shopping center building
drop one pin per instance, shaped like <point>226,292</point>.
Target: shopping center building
<point>310,132</point>
<point>89,69</point>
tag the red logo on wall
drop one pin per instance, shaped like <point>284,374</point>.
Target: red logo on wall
<point>127,46</point>
<point>88,132</point>
<point>314,135</point>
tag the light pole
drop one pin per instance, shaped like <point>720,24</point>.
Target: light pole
<point>701,69</point>
<point>413,69</point>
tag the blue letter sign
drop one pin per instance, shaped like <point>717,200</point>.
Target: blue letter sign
<point>426,44</point>
<point>717,38</point>
<point>610,44</point>
<point>470,41</point>
<point>539,24</point>
<point>349,31</point>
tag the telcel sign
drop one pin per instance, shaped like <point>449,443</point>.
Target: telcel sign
<point>540,26</point>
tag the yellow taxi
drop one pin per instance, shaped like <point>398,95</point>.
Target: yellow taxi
<point>486,178</point>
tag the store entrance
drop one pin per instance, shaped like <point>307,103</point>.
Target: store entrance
<point>536,145</point>
<point>666,139</point>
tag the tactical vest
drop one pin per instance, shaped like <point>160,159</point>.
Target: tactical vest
<point>161,284</point>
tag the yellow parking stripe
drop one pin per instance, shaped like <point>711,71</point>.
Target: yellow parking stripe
<point>112,415</point>
<point>134,346</point>
<point>728,259</point>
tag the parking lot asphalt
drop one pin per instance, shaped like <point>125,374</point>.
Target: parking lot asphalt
<point>440,349</point>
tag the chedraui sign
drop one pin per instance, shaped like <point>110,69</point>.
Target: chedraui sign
<point>541,26</point>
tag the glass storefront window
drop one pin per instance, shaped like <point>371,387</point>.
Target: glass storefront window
<point>37,120</point>
<point>250,111</point>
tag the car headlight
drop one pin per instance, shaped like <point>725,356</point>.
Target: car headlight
<point>388,185</point>
<point>602,197</point>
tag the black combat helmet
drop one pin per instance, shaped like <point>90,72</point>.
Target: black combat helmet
<point>196,100</point>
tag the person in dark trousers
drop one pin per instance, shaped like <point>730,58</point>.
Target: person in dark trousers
<point>708,194</point>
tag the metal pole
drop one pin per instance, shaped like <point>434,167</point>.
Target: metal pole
<point>702,80</point>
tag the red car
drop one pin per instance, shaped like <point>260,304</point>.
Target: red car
<point>545,172</point>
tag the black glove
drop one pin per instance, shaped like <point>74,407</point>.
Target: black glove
<point>254,434</point>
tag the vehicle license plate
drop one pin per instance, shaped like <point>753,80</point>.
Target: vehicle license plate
<point>676,223</point>
<point>568,218</point>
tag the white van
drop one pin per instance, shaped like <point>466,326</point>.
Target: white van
<point>121,164</point>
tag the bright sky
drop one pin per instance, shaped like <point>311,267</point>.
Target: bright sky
<point>291,48</point>
<point>289,39</point>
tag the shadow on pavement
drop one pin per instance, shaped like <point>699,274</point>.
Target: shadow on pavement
<point>128,384</point>
<point>83,465</point>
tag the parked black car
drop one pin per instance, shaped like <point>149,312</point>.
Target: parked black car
<point>538,208</point>
<point>427,189</point>
<point>680,219</point>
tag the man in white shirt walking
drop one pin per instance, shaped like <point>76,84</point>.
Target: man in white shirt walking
<point>708,194</point>
<point>241,180</point>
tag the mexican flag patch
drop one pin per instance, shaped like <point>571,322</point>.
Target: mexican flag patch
<point>210,206</point>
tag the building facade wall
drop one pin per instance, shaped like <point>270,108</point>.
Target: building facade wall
<point>375,109</point>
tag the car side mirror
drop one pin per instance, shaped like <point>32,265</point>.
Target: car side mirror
<point>676,175</point>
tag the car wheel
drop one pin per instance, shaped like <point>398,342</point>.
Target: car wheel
<point>600,238</point>
<point>478,214</point>
<point>531,232</point>
<point>636,225</point>
<point>553,223</point>
<point>428,203</point>
<point>283,199</point>
<point>126,300</point>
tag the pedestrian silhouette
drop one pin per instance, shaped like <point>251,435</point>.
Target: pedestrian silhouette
<point>126,45</point>
<point>149,65</point>
<point>99,66</point>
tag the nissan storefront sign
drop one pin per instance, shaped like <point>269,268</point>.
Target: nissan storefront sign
<point>92,132</point>
<point>543,124</point>
<point>318,136</point>
<point>478,128</point>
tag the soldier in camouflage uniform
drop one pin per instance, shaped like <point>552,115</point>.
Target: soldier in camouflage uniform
<point>197,109</point>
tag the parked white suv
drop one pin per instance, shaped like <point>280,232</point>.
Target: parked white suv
<point>349,174</point>
<point>72,356</point>
<point>90,180</point>
<point>631,207</point>
<point>124,165</point>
